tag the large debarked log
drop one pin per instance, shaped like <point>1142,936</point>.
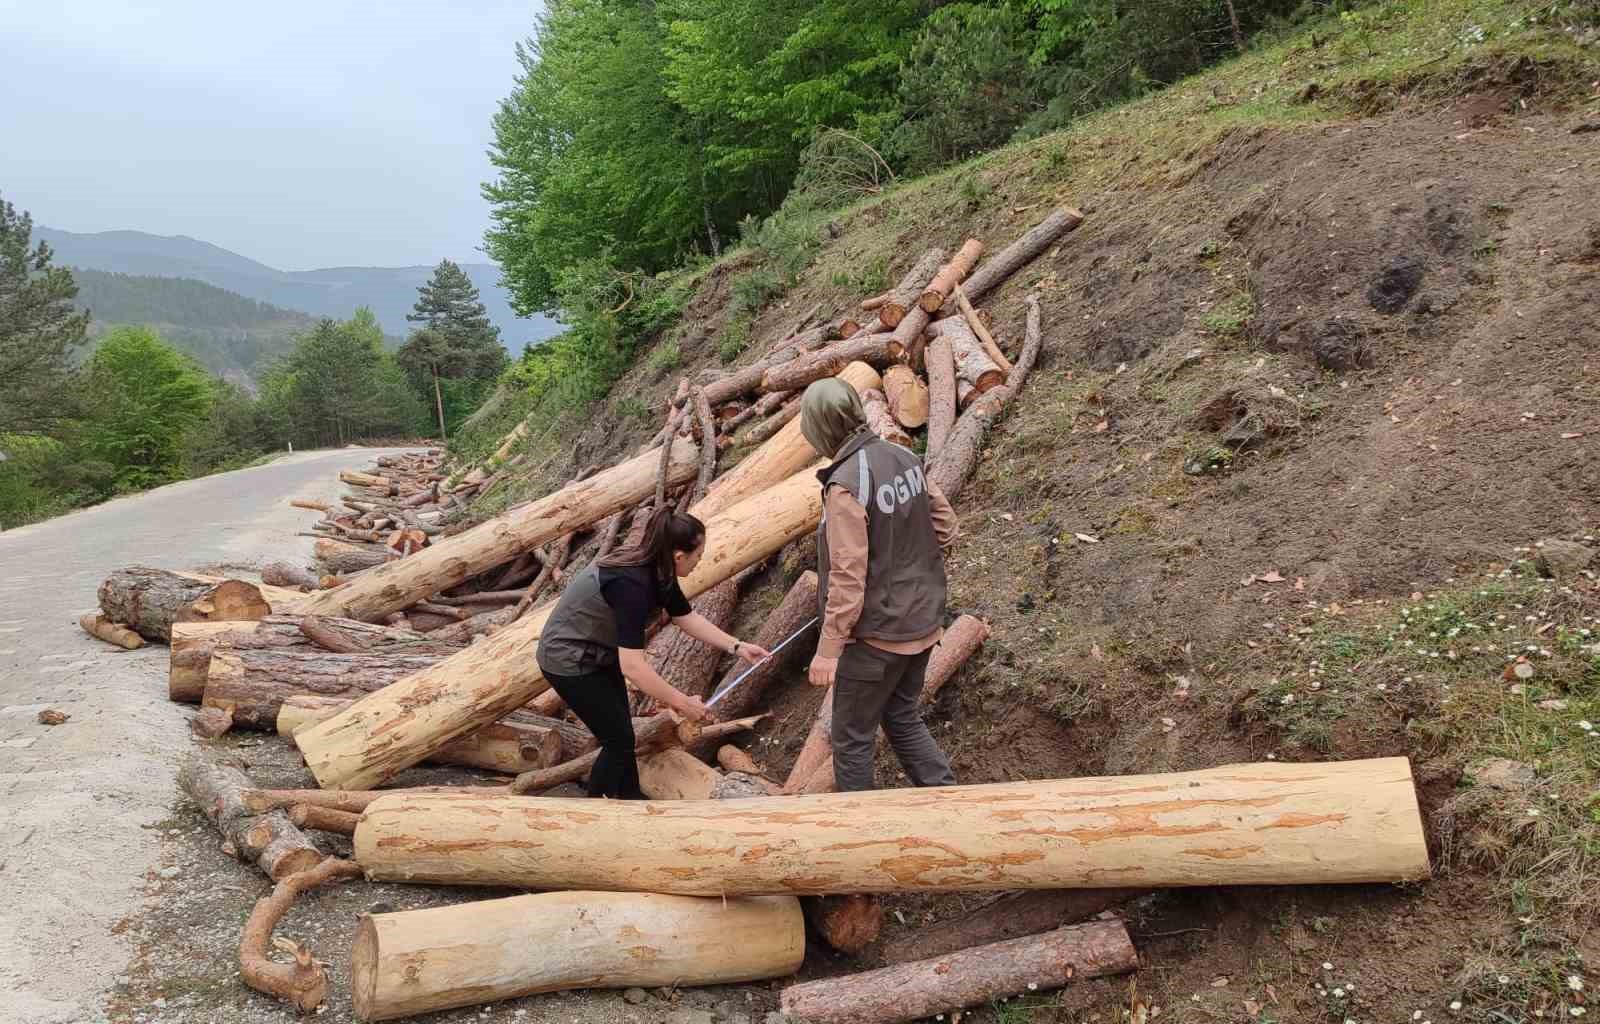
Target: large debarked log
<point>971,977</point>
<point>417,961</point>
<point>1247,824</point>
<point>400,584</point>
<point>401,724</point>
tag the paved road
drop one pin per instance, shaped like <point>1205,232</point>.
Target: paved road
<point>78,802</point>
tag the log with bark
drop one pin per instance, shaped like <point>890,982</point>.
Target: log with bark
<point>817,748</point>
<point>400,725</point>
<point>323,819</point>
<point>1010,916</point>
<point>338,558</point>
<point>798,606</point>
<point>358,479</point>
<point>453,560</point>
<point>418,961</point>
<point>907,396</point>
<point>874,349</point>
<point>285,574</point>
<point>950,275</point>
<point>1020,253</point>
<point>981,329</point>
<point>102,628</point>
<point>518,742</point>
<point>682,660</point>
<point>942,396</point>
<point>149,601</point>
<point>209,723</point>
<point>303,984</point>
<point>760,409</point>
<point>959,456</point>
<point>764,431</point>
<point>733,759</point>
<point>657,732</point>
<point>267,839</point>
<point>848,924</point>
<point>260,801</point>
<point>1243,824</point>
<point>973,363</point>
<point>785,454</point>
<point>881,420</point>
<point>905,294</point>
<point>973,977</point>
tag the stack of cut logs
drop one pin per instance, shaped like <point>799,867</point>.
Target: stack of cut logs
<point>416,644</point>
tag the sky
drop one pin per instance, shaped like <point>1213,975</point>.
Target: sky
<point>301,133</point>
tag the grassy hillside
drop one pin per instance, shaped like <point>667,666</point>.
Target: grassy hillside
<point>1320,378</point>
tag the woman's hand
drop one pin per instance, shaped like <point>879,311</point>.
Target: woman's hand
<point>823,670</point>
<point>752,654</point>
<point>692,708</point>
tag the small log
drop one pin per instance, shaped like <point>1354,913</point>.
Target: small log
<point>323,819</point>
<point>973,977</point>
<point>284,574</point>
<point>1023,251</point>
<point>209,723</point>
<point>973,364</point>
<point>254,684</point>
<point>149,601</point>
<point>708,444</point>
<point>1010,916</point>
<point>881,420</point>
<point>873,349</point>
<point>443,611</point>
<point>650,734</point>
<point>798,606</point>
<point>941,395</point>
<point>818,746</point>
<point>907,396</point>
<point>314,506</point>
<point>981,329</point>
<point>302,984</point>
<point>760,409</point>
<point>512,745</point>
<point>950,275</point>
<point>339,558</point>
<point>418,961</point>
<point>869,305</point>
<point>847,328</point>
<point>481,597</point>
<point>676,774</point>
<point>102,628</point>
<point>356,479</point>
<point>260,801</point>
<point>849,924</point>
<point>269,840</point>
<point>733,759</point>
<point>960,642</point>
<point>427,622</point>
<point>763,431</point>
<point>905,294</point>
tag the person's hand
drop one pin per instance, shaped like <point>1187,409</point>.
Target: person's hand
<point>692,708</point>
<point>823,671</point>
<point>752,654</point>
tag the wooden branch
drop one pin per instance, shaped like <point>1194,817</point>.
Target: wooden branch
<point>302,984</point>
<point>973,977</point>
<point>950,275</point>
<point>874,349</point>
<point>1010,916</point>
<point>764,431</point>
<point>708,445</point>
<point>1023,251</point>
<point>323,819</point>
<point>980,329</point>
<point>868,305</point>
<point>102,628</point>
<point>260,801</point>
<point>267,840</point>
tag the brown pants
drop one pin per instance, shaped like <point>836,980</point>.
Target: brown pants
<point>875,688</point>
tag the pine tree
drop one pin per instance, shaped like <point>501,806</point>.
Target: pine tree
<point>456,340</point>
<point>39,330</point>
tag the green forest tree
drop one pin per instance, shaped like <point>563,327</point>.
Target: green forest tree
<point>39,331</point>
<point>144,399</point>
<point>456,342</point>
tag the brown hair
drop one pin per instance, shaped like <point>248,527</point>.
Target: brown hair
<point>665,534</point>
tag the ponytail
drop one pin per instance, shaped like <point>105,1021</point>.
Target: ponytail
<point>665,534</point>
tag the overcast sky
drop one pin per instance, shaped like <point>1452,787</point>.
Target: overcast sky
<point>301,133</point>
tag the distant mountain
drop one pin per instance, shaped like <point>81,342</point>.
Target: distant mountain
<point>336,291</point>
<point>232,336</point>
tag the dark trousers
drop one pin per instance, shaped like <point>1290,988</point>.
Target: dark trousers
<point>874,688</point>
<point>600,700</point>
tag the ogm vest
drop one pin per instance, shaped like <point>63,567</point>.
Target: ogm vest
<point>581,633</point>
<point>905,589</point>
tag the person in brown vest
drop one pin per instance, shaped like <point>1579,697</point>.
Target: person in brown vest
<point>596,636</point>
<point>881,588</point>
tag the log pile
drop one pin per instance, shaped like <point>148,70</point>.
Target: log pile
<point>411,638</point>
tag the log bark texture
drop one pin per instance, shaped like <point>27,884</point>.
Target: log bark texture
<point>874,349</point>
<point>950,275</point>
<point>323,819</point>
<point>254,684</point>
<point>267,840</point>
<point>453,560</point>
<point>973,363</point>
<point>335,557</point>
<point>849,924</point>
<point>973,977</point>
<point>401,724</point>
<point>149,601</point>
<point>907,395</point>
<point>1246,824</point>
<point>941,368</point>
<point>303,984</point>
<point>286,574</point>
<point>960,642</point>
<point>1010,916</point>
<point>1020,253</point>
<point>682,660</point>
<point>798,606</point>
<point>981,329</point>
<point>764,431</point>
<point>102,628</point>
<point>418,961</point>
<point>881,419</point>
<point>785,454</point>
<point>905,294</point>
<point>817,748</point>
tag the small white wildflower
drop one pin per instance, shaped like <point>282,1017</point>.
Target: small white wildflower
<point>1577,1011</point>
<point>1504,980</point>
<point>1533,812</point>
<point>1338,993</point>
<point>1586,726</point>
<point>1455,1005</point>
<point>1033,986</point>
<point>1327,966</point>
<point>1575,983</point>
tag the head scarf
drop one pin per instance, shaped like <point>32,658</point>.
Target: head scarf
<point>830,411</point>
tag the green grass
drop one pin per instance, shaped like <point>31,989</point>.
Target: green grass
<point>664,358</point>
<point>734,339</point>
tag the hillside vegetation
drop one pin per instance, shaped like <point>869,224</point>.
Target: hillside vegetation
<point>1308,461</point>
